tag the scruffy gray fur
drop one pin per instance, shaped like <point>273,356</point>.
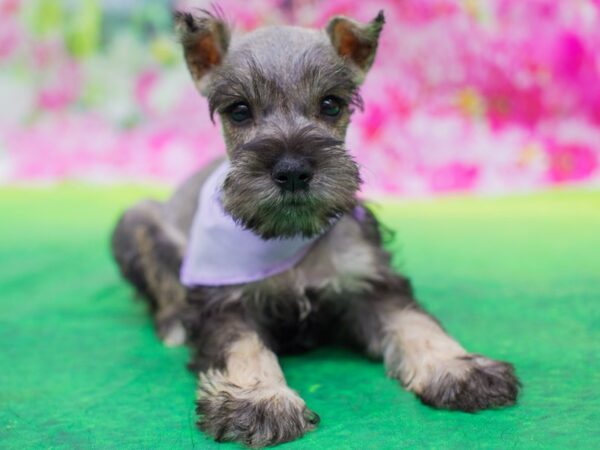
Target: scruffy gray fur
<point>285,96</point>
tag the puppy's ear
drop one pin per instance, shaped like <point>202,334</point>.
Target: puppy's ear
<point>204,40</point>
<point>356,42</point>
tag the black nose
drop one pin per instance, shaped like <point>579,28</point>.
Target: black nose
<point>292,174</point>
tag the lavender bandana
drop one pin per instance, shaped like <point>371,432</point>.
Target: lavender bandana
<point>221,252</point>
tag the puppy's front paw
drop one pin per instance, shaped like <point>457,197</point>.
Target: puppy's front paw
<point>472,383</point>
<point>257,416</point>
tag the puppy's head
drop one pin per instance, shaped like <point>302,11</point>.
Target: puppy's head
<point>285,96</point>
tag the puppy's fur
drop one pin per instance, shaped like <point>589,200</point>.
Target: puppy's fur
<point>344,290</point>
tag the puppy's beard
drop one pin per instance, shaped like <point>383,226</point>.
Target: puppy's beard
<point>263,208</point>
<point>281,216</point>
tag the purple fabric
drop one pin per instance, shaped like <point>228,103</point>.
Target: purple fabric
<point>359,213</point>
<point>221,252</point>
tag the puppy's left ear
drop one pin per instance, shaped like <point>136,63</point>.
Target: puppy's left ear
<point>356,42</point>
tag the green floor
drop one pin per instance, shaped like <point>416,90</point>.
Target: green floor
<point>516,279</point>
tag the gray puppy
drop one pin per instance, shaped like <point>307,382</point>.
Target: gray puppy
<point>285,96</point>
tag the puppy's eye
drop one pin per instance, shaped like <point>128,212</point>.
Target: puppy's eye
<point>331,106</point>
<point>240,112</point>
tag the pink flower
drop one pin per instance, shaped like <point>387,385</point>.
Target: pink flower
<point>373,120</point>
<point>63,88</point>
<point>9,39</point>
<point>570,162</point>
<point>143,88</point>
<point>9,7</point>
<point>454,176</point>
<point>570,55</point>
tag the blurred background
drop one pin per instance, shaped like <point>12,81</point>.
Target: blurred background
<point>497,96</point>
<point>481,98</point>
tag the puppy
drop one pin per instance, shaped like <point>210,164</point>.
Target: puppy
<point>269,251</point>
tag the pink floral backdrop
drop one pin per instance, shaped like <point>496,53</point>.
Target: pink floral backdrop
<point>466,95</point>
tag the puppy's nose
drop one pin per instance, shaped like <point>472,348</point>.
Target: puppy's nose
<point>292,174</point>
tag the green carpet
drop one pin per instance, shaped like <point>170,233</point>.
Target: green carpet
<point>516,279</point>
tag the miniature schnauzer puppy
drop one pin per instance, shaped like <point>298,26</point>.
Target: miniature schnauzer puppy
<point>286,257</point>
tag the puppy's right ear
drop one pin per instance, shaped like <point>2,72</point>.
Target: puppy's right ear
<point>204,40</point>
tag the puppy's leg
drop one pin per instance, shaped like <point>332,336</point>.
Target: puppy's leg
<point>149,254</point>
<point>242,394</point>
<point>426,360</point>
